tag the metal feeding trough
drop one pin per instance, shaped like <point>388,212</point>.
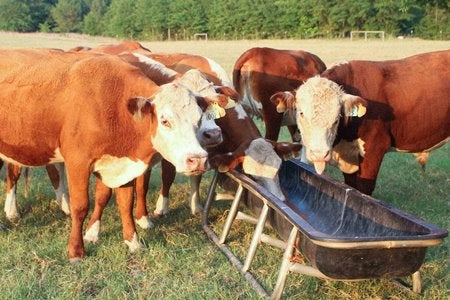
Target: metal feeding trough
<point>343,234</point>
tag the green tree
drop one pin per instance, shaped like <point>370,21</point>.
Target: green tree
<point>151,18</point>
<point>93,21</point>
<point>15,16</point>
<point>68,15</point>
<point>120,19</point>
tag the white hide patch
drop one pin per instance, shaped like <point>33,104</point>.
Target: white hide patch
<point>116,171</point>
<point>10,160</point>
<point>92,233</point>
<point>155,65</point>
<point>57,157</point>
<point>261,160</point>
<point>162,206</point>
<point>10,205</point>
<point>241,114</point>
<point>145,223</point>
<point>134,245</point>
<point>221,74</point>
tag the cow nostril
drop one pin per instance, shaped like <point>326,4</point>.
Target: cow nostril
<point>212,134</point>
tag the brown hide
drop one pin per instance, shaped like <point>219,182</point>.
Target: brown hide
<point>78,103</point>
<point>267,71</point>
<point>127,46</point>
<point>408,107</point>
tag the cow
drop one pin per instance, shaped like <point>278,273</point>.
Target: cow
<point>55,173</point>
<point>259,157</point>
<point>195,81</point>
<point>179,62</point>
<point>97,114</point>
<point>261,72</point>
<point>126,46</point>
<point>354,112</point>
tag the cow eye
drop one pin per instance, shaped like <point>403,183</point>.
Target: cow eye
<point>166,123</point>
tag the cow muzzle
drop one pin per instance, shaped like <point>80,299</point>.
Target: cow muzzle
<point>319,158</point>
<point>195,164</point>
<point>211,137</point>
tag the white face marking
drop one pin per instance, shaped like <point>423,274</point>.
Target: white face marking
<point>178,118</point>
<point>318,104</point>
<point>116,171</point>
<point>263,163</point>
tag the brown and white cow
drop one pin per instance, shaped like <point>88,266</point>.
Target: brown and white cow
<point>260,158</point>
<point>209,135</point>
<point>126,46</point>
<point>357,111</point>
<point>261,72</point>
<point>95,113</point>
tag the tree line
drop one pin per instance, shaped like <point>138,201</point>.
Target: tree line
<point>228,19</point>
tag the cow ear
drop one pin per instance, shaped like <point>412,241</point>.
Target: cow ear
<point>213,109</point>
<point>227,91</point>
<point>354,106</point>
<point>139,107</point>
<point>283,101</point>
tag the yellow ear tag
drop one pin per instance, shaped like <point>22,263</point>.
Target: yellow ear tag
<point>214,111</point>
<point>230,103</point>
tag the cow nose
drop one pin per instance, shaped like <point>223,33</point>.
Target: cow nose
<point>196,163</point>
<point>212,137</point>
<point>319,155</point>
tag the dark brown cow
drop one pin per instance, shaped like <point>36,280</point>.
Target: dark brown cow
<point>93,113</point>
<point>261,72</point>
<point>362,109</point>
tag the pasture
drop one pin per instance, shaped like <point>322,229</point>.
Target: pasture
<point>179,261</point>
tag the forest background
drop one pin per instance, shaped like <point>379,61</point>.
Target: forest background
<point>228,19</point>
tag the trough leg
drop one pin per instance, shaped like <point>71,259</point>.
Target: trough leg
<point>232,214</point>
<point>285,264</point>
<point>417,282</point>
<point>256,237</point>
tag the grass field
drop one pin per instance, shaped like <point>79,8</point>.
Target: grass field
<point>180,262</point>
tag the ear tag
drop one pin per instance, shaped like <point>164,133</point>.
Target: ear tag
<point>354,112</point>
<point>214,111</point>
<point>231,103</point>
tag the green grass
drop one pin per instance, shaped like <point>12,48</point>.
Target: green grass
<point>179,261</point>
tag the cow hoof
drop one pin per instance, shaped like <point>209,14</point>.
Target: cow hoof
<point>75,260</point>
<point>92,234</point>
<point>134,245</point>
<point>13,218</point>
<point>160,213</point>
<point>64,206</point>
<point>145,223</point>
<point>196,210</point>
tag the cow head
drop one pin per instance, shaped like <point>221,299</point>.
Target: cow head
<point>209,134</point>
<point>178,113</point>
<point>320,105</point>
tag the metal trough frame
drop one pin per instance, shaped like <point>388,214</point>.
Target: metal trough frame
<point>286,265</point>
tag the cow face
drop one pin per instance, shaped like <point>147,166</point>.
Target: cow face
<point>320,103</point>
<point>178,115</point>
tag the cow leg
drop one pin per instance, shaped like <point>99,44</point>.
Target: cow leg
<point>377,144</point>
<point>168,173</point>
<point>56,174</point>
<point>194,197</point>
<point>124,199</point>
<point>295,133</point>
<point>142,218</point>
<point>273,124</point>
<point>12,176</point>
<point>78,180</point>
<point>102,196</point>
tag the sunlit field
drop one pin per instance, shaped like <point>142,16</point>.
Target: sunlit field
<point>179,261</point>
